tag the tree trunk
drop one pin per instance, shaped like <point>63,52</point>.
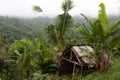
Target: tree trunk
<point>102,63</point>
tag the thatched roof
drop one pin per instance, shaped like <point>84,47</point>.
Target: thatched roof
<point>86,53</point>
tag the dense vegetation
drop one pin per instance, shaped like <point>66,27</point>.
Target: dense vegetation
<point>30,48</point>
<point>17,28</point>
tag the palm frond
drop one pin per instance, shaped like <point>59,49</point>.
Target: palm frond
<point>114,28</point>
<point>87,20</point>
<point>52,34</point>
<point>37,8</point>
<point>86,33</point>
<point>114,42</point>
<point>97,32</point>
<point>64,23</point>
<point>67,5</point>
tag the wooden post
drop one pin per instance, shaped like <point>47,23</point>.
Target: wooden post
<point>73,70</point>
<point>82,70</point>
<point>70,54</point>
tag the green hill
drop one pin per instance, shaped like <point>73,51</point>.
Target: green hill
<point>16,28</point>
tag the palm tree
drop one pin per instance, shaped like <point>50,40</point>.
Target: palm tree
<point>63,24</point>
<point>57,32</point>
<point>102,37</point>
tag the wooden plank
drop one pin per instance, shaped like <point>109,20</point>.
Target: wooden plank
<point>71,55</point>
<point>71,61</point>
<point>73,71</point>
<point>76,56</point>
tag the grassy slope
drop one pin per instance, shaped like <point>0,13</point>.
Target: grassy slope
<point>112,74</point>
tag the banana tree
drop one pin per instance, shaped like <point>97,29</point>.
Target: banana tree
<point>30,57</point>
<point>22,51</point>
<point>102,37</point>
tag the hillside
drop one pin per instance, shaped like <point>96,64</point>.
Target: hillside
<point>17,28</point>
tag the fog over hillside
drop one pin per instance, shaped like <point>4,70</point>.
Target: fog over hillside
<point>24,8</point>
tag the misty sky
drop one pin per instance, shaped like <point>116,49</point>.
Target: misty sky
<point>23,8</point>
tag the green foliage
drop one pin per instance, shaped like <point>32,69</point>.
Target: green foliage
<point>37,8</point>
<point>67,5</point>
<point>103,39</point>
<point>4,45</point>
<point>21,51</point>
<point>64,22</point>
<point>33,59</point>
<point>103,18</point>
<point>113,33</point>
<point>17,28</point>
<point>5,63</point>
<point>99,32</point>
<point>20,46</point>
<point>39,75</point>
<point>30,57</point>
<point>63,26</point>
<point>47,65</point>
